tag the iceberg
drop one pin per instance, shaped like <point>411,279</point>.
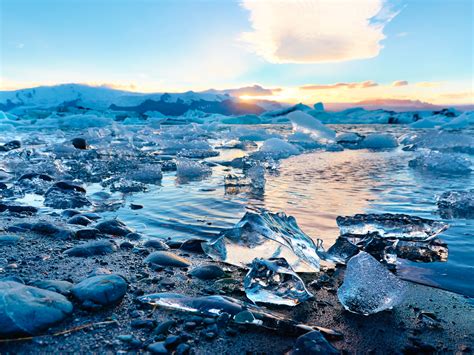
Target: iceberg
<point>265,235</point>
<point>369,287</point>
<point>275,148</point>
<point>305,123</point>
<point>379,141</point>
<point>273,281</point>
<point>436,162</point>
<point>387,225</point>
<point>439,140</point>
<point>456,204</point>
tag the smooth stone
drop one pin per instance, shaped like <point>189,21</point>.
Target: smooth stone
<point>133,236</point>
<point>18,209</point>
<point>193,246</point>
<point>207,272</point>
<point>69,213</point>
<point>15,144</point>
<point>31,176</point>
<point>183,349</point>
<point>126,245</point>
<point>135,206</point>
<point>164,258</point>
<point>156,244</point>
<point>79,143</point>
<point>101,290</point>
<point>88,233</point>
<point>313,343</point>
<point>164,327</point>
<point>29,310</point>
<point>9,240</point>
<point>113,227</point>
<point>79,220</point>
<point>99,247</point>
<point>69,186</point>
<point>158,348</point>
<point>59,286</point>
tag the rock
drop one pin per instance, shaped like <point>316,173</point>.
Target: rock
<point>69,186</point>
<point>79,220</point>
<point>49,229</point>
<point>79,143</point>
<point>31,176</point>
<point>88,233</point>
<point>29,310</point>
<point>158,348</point>
<point>126,245</point>
<point>66,195</point>
<point>164,327</point>
<point>133,236</point>
<point>9,240</point>
<point>59,286</point>
<point>135,206</point>
<point>313,343</point>
<point>156,244</point>
<point>113,227</point>
<point>164,259</point>
<point>183,349</point>
<point>172,340</point>
<point>207,272</point>
<point>193,246</point>
<point>18,209</point>
<point>15,144</point>
<point>100,247</point>
<point>100,290</point>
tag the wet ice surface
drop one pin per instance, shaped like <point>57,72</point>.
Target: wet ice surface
<point>315,187</point>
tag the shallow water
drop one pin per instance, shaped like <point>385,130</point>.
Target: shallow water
<point>315,188</point>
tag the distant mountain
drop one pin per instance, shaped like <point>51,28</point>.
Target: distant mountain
<point>386,104</point>
<point>90,97</point>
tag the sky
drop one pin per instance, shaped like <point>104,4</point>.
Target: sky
<point>294,50</point>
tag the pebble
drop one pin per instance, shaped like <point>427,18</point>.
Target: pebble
<point>100,290</point>
<point>164,259</point>
<point>113,227</point>
<point>135,206</point>
<point>59,286</point>
<point>193,246</point>
<point>100,247</point>
<point>15,144</point>
<point>88,233</point>
<point>164,327</point>
<point>79,143</point>
<point>156,244</point>
<point>79,220</point>
<point>313,343</point>
<point>157,348</point>
<point>207,272</point>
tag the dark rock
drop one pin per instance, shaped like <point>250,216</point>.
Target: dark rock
<point>59,286</point>
<point>69,186</point>
<point>164,258</point>
<point>88,233</point>
<point>173,244</point>
<point>29,310</point>
<point>9,240</point>
<point>143,323</point>
<point>113,227</point>
<point>313,343</point>
<point>164,327</point>
<point>157,348</point>
<point>69,213</point>
<point>207,272</point>
<point>193,246</point>
<point>100,247</point>
<point>18,209</point>
<point>31,176</point>
<point>49,229</point>
<point>79,220</point>
<point>135,206</point>
<point>79,143</point>
<point>67,198</point>
<point>15,144</point>
<point>182,349</point>
<point>126,245</point>
<point>156,244</point>
<point>100,290</point>
<point>133,236</point>
<point>172,340</point>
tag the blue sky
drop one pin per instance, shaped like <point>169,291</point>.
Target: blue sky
<point>175,45</point>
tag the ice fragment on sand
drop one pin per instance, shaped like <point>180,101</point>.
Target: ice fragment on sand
<point>437,162</point>
<point>456,204</point>
<point>273,281</point>
<point>29,310</point>
<point>369,287</point>
<point>265,235</point>
<point>387,225</point>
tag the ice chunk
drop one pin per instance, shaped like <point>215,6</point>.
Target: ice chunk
<point>379,141</point>
<point>265,235</point>
<point>437,162</point>
<point>369,287</point>
<point>313,343</point>
<point>461,121</point>
<point>191,169</point>
<point>456,204</point>
<point>442,141</point>
<point>387,225</point>
<point>275,148</point>
<point>273,281</point>
<point>256,174</point>
<point>305,123</point>
<point>147,174</point>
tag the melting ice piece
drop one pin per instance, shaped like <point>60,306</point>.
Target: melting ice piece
<point>239,312</point>
<point>273,281</point>
<point>305,123</point>
<point>456,204</point>
<point>190,169</point>
<point>369,287</point>
<point>387,225</point>
<point>437,162</point>
<point>265,235</point>
<point>275,148</point>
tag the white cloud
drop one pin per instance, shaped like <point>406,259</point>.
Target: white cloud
<point>314,31</point>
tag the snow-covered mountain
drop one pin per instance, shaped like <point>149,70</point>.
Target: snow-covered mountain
<point>90,97</point>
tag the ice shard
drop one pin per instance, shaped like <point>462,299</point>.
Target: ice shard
<point>265,235</point>
<point>273,281</point>
<point>387,225</point>
<point>239,312</point>
<point>456,204</point>
<point>369,287</point>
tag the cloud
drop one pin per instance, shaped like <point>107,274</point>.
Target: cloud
<point>315,31</point>
<point>361,85</point>
<point>400,83</point>
<point>255,90</point>
<point>428,84</point>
